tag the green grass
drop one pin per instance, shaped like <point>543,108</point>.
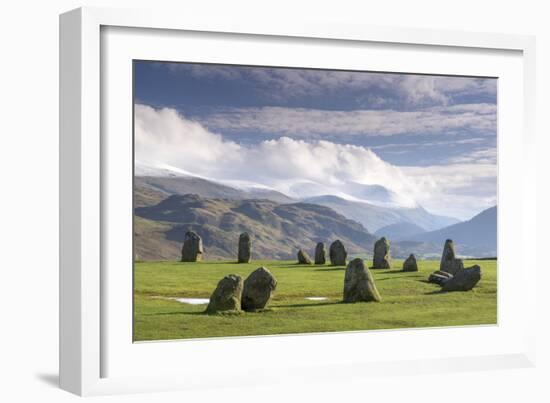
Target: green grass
<point>407,300</point>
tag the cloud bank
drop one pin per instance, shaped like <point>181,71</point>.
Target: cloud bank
<point>398,89</point>
<point>473,118</point>
<point>302,168</point>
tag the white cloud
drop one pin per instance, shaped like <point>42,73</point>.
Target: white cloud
<point>460,189</point>
<point>301,168</point>
<point>165,136</point>
<point>476,118</point>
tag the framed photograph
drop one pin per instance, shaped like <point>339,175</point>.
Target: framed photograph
<point>265,191</point>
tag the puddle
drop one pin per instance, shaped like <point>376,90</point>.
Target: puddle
<point>316,298</point>
<point>192,301</point>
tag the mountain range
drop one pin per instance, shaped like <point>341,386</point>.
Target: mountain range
<point>167,206</point>
<point>277,230</point>
<point>374,217</point>
<point>477,236</point>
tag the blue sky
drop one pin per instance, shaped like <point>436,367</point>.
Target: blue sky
<point>431,129</point>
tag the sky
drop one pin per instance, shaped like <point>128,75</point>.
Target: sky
<point>429,140</point>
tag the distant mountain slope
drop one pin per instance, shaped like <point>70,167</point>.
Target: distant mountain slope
<point>146,196</point>
<point>277,230</point>
<point>181,185</point>
<point>400,230</point>
<point>478,233</point>
<point>376,217</point>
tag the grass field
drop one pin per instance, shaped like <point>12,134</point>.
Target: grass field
<point>408,300</point>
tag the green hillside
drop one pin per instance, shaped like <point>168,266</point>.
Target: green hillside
<point>277,230</point>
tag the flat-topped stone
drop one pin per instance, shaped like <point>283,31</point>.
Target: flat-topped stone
<point>192,250</point>
<point>382,258</point>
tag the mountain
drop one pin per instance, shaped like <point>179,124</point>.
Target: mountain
<point>374,217</point>
<point>477,236</point>
<point>147,196</point>
<point>400,230</point>
<point>277,230</point>
<point>174,185</point>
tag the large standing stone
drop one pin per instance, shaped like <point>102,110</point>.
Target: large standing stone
<point>245,247</point>
<point>448,253</point>
<point>449,262</point>
<point>359,284</point>
<point>410,264</point>
<point>227,295</point>
<point>464,280</point>
<point>382,258</point>
<point>337,253</point>
<point>303,257</point>
<point>320,254</point>
<point>192,248</point>
<point>257,290</point>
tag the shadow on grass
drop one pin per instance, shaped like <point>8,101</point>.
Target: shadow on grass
<point>330,268</point>
<point>173,313</point>
<point>435,292</point>
<point>304,305</point>
<point>402,278</point>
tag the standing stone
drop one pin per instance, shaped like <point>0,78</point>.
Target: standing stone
<point>257,290</point>
<point>359,284</point>
<point>410,264</point>
<point>464,280</point>
<point>382,258</point>
<point>449,262</point>
<point>227,295</point>
<point>192,248</point>
<point>337,253</point>
<point>448,253</point>
<point>320,254</point>
<point>245,247</point>
<point>303,257</point>
<point>454,266</point>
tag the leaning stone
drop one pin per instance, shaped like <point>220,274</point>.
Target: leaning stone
<point>227,295</point>
<point>443,273</point>
<point>320,254</point>
<point>191,250</point>
<point>439,277</point>
<point>464,280</point>
<point>359,284</point>
<point>337,253</point>
<point>303,257</point>
<point>257,290</point>
<point>410,264</point>
<point>245,247</point>
<point>382,258</point>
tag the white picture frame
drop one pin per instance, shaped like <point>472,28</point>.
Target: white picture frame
<point>88,319</point>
